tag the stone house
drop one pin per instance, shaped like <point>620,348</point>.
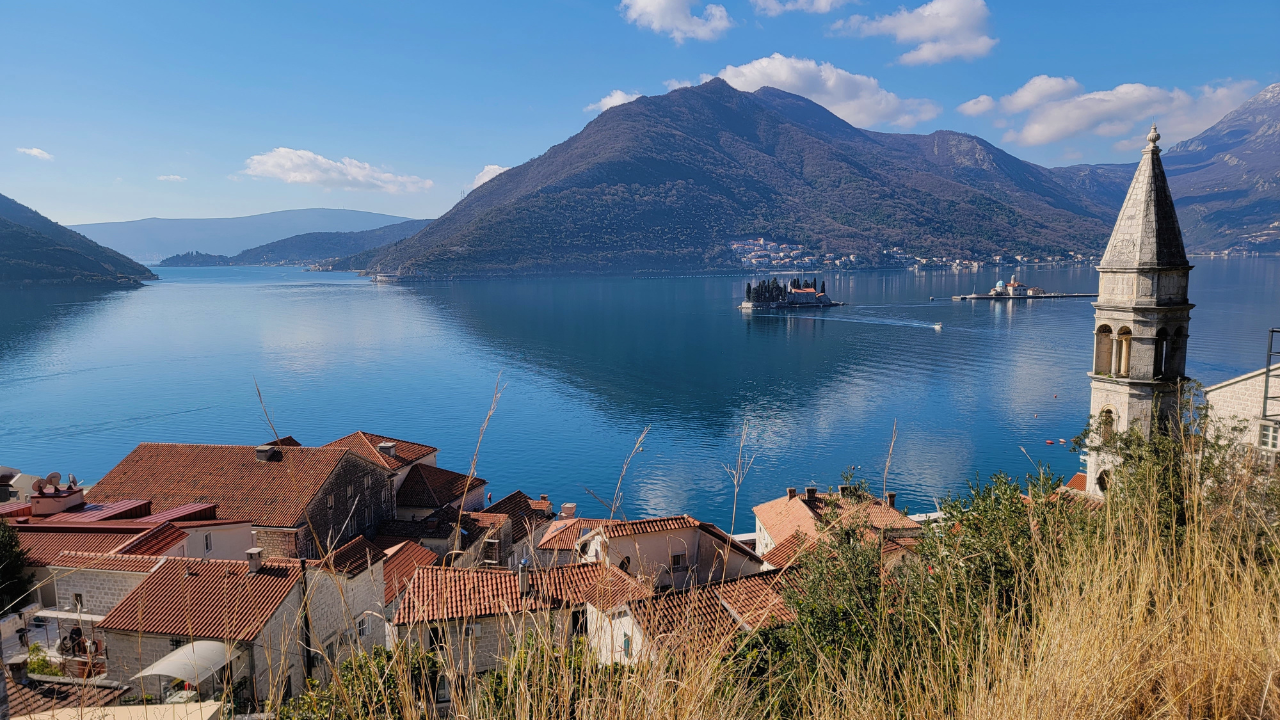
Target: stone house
<point>403,560</point>
<point>671,551</point>
<point>629,630</point>
<point>808,513</point>
<point>1238,402</point>
<point>254,609</point>
<point>301,501</point>
<point>556,543</point>
<point>426,489</point>
<point>474,616</point>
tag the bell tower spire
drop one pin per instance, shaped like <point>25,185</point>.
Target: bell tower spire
<point>1142,313</point>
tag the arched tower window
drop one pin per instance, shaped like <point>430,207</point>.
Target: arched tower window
<point>1102,350</point>
<point>1107,423</point>
<point>1162,343</point>
<point>1175,356</point>
<point>1104,479</point>
<point>1124,343</point>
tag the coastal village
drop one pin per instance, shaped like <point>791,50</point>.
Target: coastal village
<point>242,574</point>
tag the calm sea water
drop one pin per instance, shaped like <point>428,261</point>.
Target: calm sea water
<point>585,366</point>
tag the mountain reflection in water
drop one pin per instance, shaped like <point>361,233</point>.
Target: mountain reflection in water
<point>587,363</point>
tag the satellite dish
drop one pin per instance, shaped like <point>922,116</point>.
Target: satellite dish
<point>37,487</point>
<point>71,482</point>
<point>51,480</point>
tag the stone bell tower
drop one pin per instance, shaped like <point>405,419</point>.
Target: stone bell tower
<point>1142,313</point>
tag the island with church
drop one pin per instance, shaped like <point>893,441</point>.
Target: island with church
<point>1014,290</point>
<point>772,295</point>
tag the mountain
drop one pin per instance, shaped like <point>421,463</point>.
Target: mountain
<point>661,183</point>
<point>151,239</point>
<point>305,249</point>
<point>35,248</point>
<point>1225,181</point>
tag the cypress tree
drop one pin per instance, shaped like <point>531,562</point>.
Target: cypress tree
<point>824,287</point>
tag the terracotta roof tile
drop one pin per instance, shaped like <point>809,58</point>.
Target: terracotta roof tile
<point>1079,482</point>
<point>525,516</point>
<point>91,512</point>
<point>44,543</point>
<point>107,561</point>
<point>785,552</point>
<point>156,541</point>
<point>355,557</point>
<point>564,534</point>
<point>15,509</point>
<point>715,610</point>
<point>366,444</point>
<point>215,599</point>
<point>386,542</point>
<point>651,525</point>
<point>39,696</point>
<point>785,516</point>
<point>403,560</point>
<point>432,487</point>
<point>438,593</point>
<point>271,494</point>
<point>184,513</point>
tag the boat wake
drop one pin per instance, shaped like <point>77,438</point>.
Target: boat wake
<point>865,320</point>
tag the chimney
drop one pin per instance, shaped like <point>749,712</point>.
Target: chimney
<point>893,498</point>
<point>568,511</point>
<point>523,575</point>
<point>543,497</point>
<point>433,523</point>
<point>266,453</point>
<point>811,493</point>
<point>387,448</point>
<point>845,490</point>
<point>254,556</point>
<point>18,670</point>
<point>791,493</point>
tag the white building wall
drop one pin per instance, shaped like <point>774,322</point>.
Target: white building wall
<point>100,590</point>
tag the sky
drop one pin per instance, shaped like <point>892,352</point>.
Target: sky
<point>119,111</point>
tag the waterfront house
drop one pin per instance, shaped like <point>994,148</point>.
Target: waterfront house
<point>628,630</point>
<point>402,562</point>
<point>1241,402</point>
<point>301,501</point>
<point>810,512</point>
<point>556,543</point>
<point>427,488</point>
<point>668,551</point>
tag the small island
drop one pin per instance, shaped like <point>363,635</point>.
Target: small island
<point>773,295</point>
<point>1014,290</point>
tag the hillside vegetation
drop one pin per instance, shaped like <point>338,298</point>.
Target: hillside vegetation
<point>33,248</point>
<point>304,249</point>
<point>661,183</point>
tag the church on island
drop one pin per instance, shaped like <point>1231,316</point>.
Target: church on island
<point>795,294</point>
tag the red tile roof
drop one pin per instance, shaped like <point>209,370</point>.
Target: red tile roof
<point>428,486</point>
<point>15,509</point>
<point>564,534</point>
<point>44,543</point>
<point>785,552</point>
<point>107,561</point>
<point>402,562</point>
<point>187,512</point>
<point>386,542</point>
<point>90,512</point>
<point>156,541</point>
<point>1079,482</point>
<point>715,610</point>
<point>354,558</point>
<point>40,696</point>
<point>651,525</point>
<point>525,516</point>
<point>366,444</point>
<point>215,599</point>
<point>439,593</point>
<point>785,516</point>
<point>271,494</point>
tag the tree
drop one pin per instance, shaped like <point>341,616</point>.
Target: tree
<point>14,584</point>
<point>824,287</point>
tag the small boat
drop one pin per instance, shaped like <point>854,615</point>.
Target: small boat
<point>1048,442</point>
<point>937,326</point>
<point>1061,441</point>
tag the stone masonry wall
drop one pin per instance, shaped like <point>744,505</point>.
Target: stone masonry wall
<point>100,590</point>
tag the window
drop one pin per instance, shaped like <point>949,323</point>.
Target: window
<point>471,630</point>
<point>679,561</point>
<point>288,687</point>
<point>368,482</point>
<point>626,644</point>
<point>578,622</point>
<point>78,600</point>
<point>1268,437</point>
<point>175,643</point>
<point>368,515</point>
<point>362,626</point>
<point>625,565</point>
<point>208,542</point>
<point>329,502</point>
<point>351,489</point>
<point>330,652</point>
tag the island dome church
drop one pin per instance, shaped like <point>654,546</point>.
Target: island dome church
<point>1141,316</point>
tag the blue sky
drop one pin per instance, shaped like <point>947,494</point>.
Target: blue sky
<point>118,111</point>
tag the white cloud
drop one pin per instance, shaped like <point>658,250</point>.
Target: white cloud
<point>676,84</point>
<point>858,99</point>
<point>1127,109</point>
<point>941,30</point>
<point>35,153</point>
<point>613,99</point>
<point>1037,91</point>
<point>171,178</point>
<point>308,168</point>
<point>676,18</point>
<point>773,8</point>
<point>978,106</point>
<point>488,173</point>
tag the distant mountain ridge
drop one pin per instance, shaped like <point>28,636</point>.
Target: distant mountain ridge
<point>1225,181</point>
<point>662,183</point>
<point>151,239</point>
<point>305,249</point>
<point>34,248</point>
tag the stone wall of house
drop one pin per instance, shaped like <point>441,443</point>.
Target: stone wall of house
<point>1238,401</point>
<point>479,645</point>
<point>352,501</point>
<point>99,590</point>
<point>276,542</point>
<point>608,630</point>
<point>338,604</point>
